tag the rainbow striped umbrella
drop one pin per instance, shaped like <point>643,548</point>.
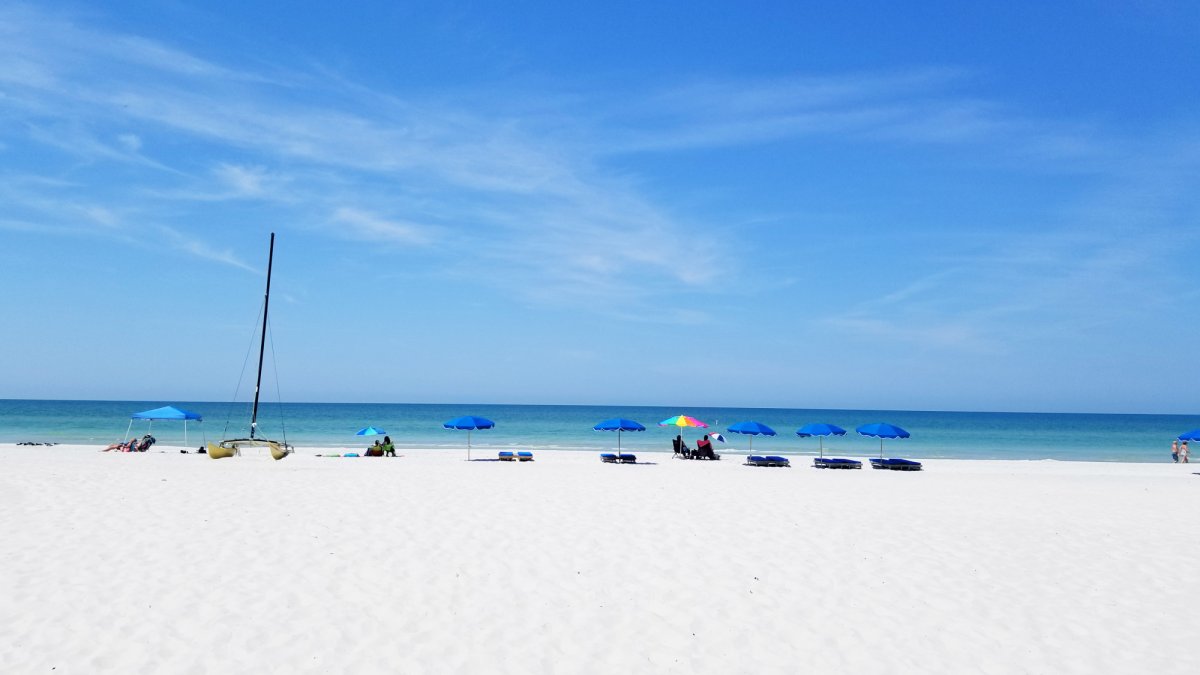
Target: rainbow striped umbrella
<point>682,421</point>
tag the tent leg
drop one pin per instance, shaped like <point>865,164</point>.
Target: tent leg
<point>127,430</point>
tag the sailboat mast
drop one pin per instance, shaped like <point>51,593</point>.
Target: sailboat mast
<point>262,343</point>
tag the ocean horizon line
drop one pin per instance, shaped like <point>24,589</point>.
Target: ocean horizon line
<point>263,404</point>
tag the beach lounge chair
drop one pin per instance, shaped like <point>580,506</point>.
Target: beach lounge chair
<point>894,464</point>
<point>608,457</point>
<point>769,460</point>
<point>704,450</point>
<point>507,456</point>
<point>626,458</point>
<point>613,458</point>
<point>525,456</point>
<point>836,463</point>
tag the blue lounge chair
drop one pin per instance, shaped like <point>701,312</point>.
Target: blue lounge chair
<point>769,460</point>
<point>836,463</point>
<point>894,464</point>
<point>507,456</point>
<point>626,458</point>
<point>525,456</point>
<point>608,458</point>
<point>613,458</point>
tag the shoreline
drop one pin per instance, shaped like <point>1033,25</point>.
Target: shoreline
<point>488,452</point>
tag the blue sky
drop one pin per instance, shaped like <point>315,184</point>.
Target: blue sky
<point>956,206</point>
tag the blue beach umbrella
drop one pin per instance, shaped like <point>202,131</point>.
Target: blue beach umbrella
<point>751,429</point>
<point>1193,435</point>
<point>469,423</point>
<point>619,424</point>
<point>820,431</point>
<point>370,431</point>
<point>882,430</point>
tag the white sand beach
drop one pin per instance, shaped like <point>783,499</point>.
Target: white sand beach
<point>169,563</point>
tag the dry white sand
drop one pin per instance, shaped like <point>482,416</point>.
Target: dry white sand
<point>128,563</point>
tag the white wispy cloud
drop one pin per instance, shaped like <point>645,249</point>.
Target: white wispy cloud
<point>529,179</point>
<point>243,181</point>
<point>131,142</point>
<point>359,224</point>
<point>906,106</point>
<point>201,249</point>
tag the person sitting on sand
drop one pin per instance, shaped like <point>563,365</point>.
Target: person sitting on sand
<point>145,443</point>
<point>389,450</point>
<point>375,450</point>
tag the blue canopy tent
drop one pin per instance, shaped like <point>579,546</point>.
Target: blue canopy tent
<point>167,412</point>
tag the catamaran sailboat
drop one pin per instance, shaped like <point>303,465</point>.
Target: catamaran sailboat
<point>233,446</point>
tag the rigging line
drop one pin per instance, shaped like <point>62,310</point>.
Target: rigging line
<point>278,391</point>
<point>242,375</point>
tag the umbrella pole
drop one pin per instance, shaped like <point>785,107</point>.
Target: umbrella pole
<point>468,445</point>
<point>618,443</point>
<point>881,447</point>
<point>821,441</point>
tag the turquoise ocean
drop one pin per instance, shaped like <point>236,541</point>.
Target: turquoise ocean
<point>957,435</point>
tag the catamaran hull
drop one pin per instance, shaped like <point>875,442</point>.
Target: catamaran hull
<point>218,452</point>
<point>231,448</point>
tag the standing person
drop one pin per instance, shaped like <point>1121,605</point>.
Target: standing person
<point>1183,452</point>
<point>389,450</point>
<point>1175,451</point>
